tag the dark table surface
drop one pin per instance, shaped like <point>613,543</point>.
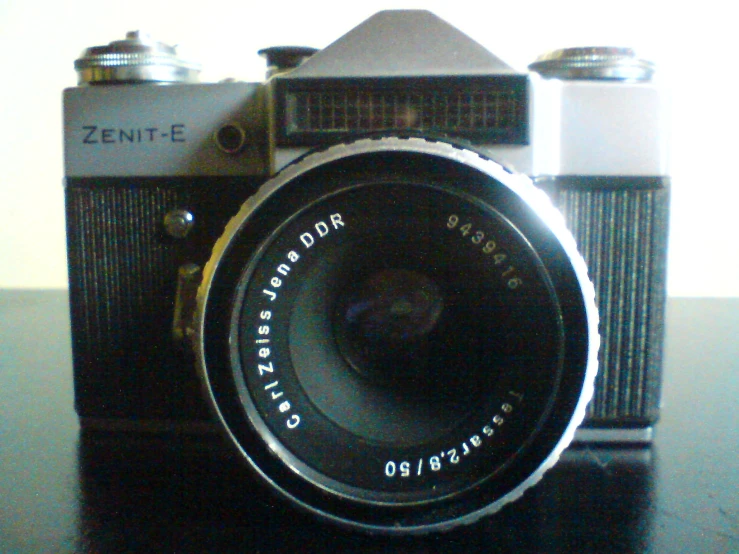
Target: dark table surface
<point>62,490</point>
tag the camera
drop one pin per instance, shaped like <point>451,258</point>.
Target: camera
<point>375,273</point>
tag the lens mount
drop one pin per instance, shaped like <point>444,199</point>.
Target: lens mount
<point>397,334</point>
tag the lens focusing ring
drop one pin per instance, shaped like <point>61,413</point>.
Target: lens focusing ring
<point>246,237</point>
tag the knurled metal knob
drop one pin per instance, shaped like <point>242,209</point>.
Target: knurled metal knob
<point>593,63</point>
<point>137,59</point>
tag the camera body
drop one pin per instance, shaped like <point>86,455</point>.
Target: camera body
<point>153,174</point>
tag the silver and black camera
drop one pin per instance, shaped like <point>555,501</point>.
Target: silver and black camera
<point>376,273</point>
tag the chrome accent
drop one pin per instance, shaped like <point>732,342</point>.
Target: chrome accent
<point>593,63</point>
<point>137,59</point>
<point>178,223</point>
<point>642,435</point>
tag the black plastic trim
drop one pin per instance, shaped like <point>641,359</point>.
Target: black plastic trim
<point>515,85</point>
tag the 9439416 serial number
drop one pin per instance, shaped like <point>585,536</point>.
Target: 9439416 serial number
<point>449,457</point>
<point>488,246</point>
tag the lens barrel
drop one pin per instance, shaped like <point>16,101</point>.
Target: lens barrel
<point>397,334</point>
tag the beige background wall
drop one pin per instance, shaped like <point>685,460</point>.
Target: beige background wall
<point>694,44</point>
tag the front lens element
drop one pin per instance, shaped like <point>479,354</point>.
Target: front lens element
<point>383,325</point>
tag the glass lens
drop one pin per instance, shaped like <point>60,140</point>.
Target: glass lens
<point>388,318</point>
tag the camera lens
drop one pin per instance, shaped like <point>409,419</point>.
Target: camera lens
<point>377,315</point>
<point>395,337</point>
